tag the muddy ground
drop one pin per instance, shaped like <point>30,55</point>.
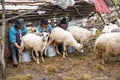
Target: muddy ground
<point>73,67</point>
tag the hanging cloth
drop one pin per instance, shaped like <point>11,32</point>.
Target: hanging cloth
<point>101,6</point>
<point>107,2</point>
<point>104,6</point>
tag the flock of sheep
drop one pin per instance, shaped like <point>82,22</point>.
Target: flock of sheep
<point>106,44</point>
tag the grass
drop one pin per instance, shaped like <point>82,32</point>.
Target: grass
<point>98,34</point>
<point>19,77</point>
<point>73,72</point>
<point>116,77</point>
<point>68,78</point>
<point>50,69</point>
<point>85,77</point>
<point>100,67</point>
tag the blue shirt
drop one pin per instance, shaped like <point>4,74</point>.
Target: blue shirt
<point>47,29</point>
<point>14,34</point>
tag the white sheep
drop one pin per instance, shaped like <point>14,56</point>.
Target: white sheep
<point>33,30</point>
<point>106,45</point>
<point>81,34</point>
<point>60,35</point>
<point>34,42</point>
<point>116,30</point>
<point>109,28</point>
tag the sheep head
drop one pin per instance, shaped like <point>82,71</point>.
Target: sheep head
<point>79,47</point>
<point>44,36</point>
<point>33,30</point>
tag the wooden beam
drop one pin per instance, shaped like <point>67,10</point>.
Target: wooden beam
<point>24,2</point>
<point>22,14</point>
<point>101,17</point>
<point>78,11</point>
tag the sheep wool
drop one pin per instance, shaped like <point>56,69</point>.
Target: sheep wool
<point>106,45</point>
<point>60,35</point>
<point>34,42</point>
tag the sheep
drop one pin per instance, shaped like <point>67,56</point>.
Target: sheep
<point>116,30</point>
<point>109,28</point>
<point>106,45</point>
<point>33,30</point>
<point>60,35</point>
<point>34,42</point>
<point>81,34</point>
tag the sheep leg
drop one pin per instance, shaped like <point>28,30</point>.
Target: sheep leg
<point>20,51</point>
<point>37,55</point>
<point>82,51</point>
<point>56,47</point>
<point>20,56</point>
<point>42,56</point>
<point>66,53</point>
<point>64,50</point>
<point>33,56</point>
<point>45,52</point>
<point>49,42</point>
<point>105,58</point>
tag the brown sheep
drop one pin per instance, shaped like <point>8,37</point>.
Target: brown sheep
<point>107,45</point>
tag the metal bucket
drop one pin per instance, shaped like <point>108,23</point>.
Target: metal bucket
<point>26,57</point>
<point>51,51</point>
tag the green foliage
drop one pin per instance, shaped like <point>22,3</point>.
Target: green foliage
<point>117,1</point>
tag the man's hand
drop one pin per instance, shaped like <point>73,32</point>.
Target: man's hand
<point>17,46</point>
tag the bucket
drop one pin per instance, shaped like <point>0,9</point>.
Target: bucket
<point>71,49</point>
<point>26,57</point>
<point>51,51</point>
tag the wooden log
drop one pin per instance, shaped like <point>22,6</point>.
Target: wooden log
<point>2,60</point>
<point>101,17</point>
<point>22,14</point>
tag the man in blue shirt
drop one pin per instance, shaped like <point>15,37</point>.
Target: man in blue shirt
<point>15,34</point>
<point>44,26</point>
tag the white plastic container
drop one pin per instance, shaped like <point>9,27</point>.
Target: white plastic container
<point>26,57</point>
<point>51,51</point>
<point>71,49</point>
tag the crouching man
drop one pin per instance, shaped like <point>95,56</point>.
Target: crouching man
<point>15,34</point>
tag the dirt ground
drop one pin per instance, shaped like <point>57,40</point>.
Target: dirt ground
<point>73,67</point>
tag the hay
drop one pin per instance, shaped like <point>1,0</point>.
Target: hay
<point>19,77</point>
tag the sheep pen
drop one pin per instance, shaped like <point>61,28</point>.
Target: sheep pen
<point>74,67</point>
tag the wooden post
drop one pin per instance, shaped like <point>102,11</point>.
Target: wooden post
<point>3,42</point>
<point>101,17</point>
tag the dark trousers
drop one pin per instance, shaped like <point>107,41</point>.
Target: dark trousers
<point>60,47</point>
<point>14,53</point>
